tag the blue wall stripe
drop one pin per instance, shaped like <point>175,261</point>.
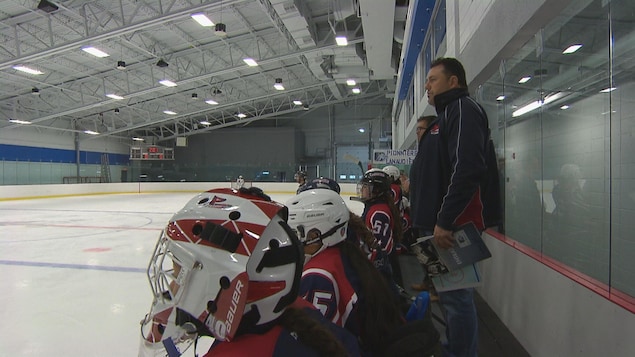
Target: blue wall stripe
<point>421,16</point>
<point>39,154</point>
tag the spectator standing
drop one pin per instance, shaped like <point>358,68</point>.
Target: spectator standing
<point>451,184</point>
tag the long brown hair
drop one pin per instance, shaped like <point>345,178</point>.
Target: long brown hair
<point>311,333</point>
<point>378,311</point>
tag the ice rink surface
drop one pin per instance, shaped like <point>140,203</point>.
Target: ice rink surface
<point>73,271</point>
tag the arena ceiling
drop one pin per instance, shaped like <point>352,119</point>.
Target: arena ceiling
<point>212,87</point>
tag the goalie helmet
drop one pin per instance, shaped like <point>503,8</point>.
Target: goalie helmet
<point>393,172</point>
<point>321,211</point>
<point>227,259</point>
<point>377,181</point>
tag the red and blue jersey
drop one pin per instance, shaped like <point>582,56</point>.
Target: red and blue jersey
<point>330,284</point>
<point>277,341</point>
<point>379,219</point>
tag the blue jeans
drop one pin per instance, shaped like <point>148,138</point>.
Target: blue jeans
<point>461,328</point>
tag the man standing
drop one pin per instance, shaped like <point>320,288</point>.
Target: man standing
<point>450,185</point>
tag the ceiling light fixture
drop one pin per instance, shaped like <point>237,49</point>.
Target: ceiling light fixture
<point>571,49</point>
<point>305,107</point>
<point>250,62</point>
<point>47,6</point>
<point>220,30</point>
<point>28,70</point>
<point>361,130</point>
<point>607,90</point>
<point>194,96</point>
<point>121,65</point>
<point>500,98</point>
<point>136,138</point>
<point>161,63</point>
<point>524,79</point>
<point>90,132</point>
<point>565,107</point>
<point>341,40</point>
<point>241,115</point>
<point>35,91</point>
<point>18,121</point>
<point>202,19</point>
<point>114,96</point>
<point>297,102</point>
<point>356,90</point>
<point>116,110</point>
<point>350,82</point>
<point>169,112</point>
<point>278,85</point>
<point>167,83</point>
<point>211,102</point>
<point>205,122</point>
<point>95,51</point>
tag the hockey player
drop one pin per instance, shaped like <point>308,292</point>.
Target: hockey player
<point>300,178</point>
<point>228,266</point>
<point>240,182</point>
<point>381,215</point>
<point>337,277</point>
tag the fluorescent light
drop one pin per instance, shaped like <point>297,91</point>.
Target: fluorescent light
<point>351,82</point>
<point>205,122</point>
<point>524,79</point>
<point>278,85</point>
<point>607,90</point>
<point>211,102</point>
<point>95,52</point>
<point>202,19</point>
<point>28,70</point>
<point>135,138</point>
<point>571,49</point>
<point>356,90</point>
<point>241,115</point>
<point>250,62</point>
<point>297,102</point>
<point>169,112</point>
<point>500,98</point>
<point>526,109</point>
<point>90,132</point>
<point>18,121</point>
<point>114,96</point>
<point>565,107</point>
<point>537,104</point>
<point>341,40</point>
<point>553,96</point>
<point>167,83</point>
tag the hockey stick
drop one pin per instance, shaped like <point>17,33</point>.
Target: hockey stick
<point>355,160</point>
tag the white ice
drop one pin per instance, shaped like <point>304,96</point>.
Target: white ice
<point>72,272</point>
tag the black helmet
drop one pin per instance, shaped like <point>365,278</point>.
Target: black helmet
<point>322,182</point>
<point>377,179</point>
<point>300,174</point>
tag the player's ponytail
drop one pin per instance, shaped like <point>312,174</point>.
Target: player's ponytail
<point>311,333</point>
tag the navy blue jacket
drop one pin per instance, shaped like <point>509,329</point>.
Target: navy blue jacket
<point>454,178</point>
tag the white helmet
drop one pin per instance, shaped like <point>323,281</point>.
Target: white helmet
<point>226,259</point>
<point>393,172</point>
<point>323,210</point>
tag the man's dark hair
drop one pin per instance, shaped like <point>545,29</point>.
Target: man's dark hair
<point>452,67</point>
<point>427,118</point>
